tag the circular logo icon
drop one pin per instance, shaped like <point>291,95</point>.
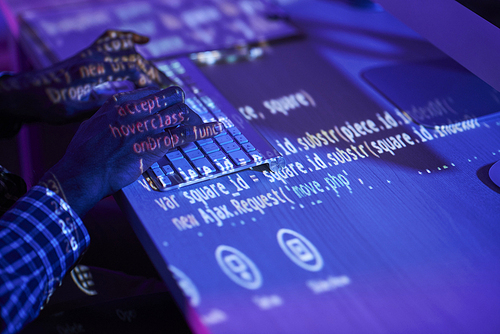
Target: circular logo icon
<point>83,279</point>
<point>187,286</point>
<point>300,250</point>
<point>238,267</point>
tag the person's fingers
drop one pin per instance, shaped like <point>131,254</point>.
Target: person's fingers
<point>88,73</point>
<point>108,92</point>
<point>130,67</point>
<point>156,75</point>
<point>104,91</point>
<point>160,143</point>
<point>118,34</point>
<point>139,39</point>
<point>121,98</point>
<point>185,115</point>
<point>151,77</point>
<point>130,104</point>
<point>179,114</point>
<point>136,106</point>
<point>135,37</point>
<point>115,43</point>
<point>190,133</point>
<point>140,64</point>
<point>106,34</point>
<point>147,75</point>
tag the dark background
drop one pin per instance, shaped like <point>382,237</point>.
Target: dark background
<point>488,9</point>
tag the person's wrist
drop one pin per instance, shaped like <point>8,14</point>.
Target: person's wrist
<point>80,189</point>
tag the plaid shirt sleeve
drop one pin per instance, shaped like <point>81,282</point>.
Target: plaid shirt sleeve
<point>41,238</point>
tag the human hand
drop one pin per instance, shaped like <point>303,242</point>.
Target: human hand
<point>75,88</point>
<point>124,138</point>
<point>116,51</point>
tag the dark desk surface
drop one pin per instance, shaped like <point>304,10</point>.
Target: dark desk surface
<point>394,230</point>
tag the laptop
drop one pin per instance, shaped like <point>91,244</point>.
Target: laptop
<point>237,148</point>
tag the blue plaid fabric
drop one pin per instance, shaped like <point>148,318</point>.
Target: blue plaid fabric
<point>41,238</point>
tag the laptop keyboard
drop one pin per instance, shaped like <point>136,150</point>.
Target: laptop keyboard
<point>236,148</point>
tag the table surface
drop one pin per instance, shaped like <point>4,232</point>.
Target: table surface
<point>407,236</point>
<point>378,224</point>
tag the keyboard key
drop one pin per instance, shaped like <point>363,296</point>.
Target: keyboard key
<point>174,155</point>
<point>227,123</point>
<point>204,166</point>
<point>161,177</point>
<point>257,157</point>
<point>158,172</point>
<point>225,165</point>
<point>187,79</point>
<point>162,162</point>
<point>248,147</point>
<point>177,67</point>
<point>190,147</point>
<point>196,105</point>
<point>189,101</point>
<point>208,102</point>
<point>208,118</point>
<point>188,94</point>
<point>185,170</point>
<point>230,147</point>
<point>210,148</point>
<point>224,139</point>
<point>163,67</point>
<point>194,87</point>
<point>221,117</point>
<point>240,158</point>
<point>200,107</point>
<point>217,156</point>
<point>193,155</point>
<point>177,81</point>
<point>168,170</point>
<point>203,142</point>
<point>241,139</point>
<point>234,131</point>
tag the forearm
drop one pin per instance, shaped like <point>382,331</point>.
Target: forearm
<point>41,238</point>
